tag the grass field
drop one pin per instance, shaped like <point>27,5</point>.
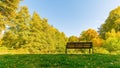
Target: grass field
<point>60,61</point>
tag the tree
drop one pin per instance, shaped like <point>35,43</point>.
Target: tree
<point>8,7</point>
<point>16,36</point>
<point>91,35</point>
<point>88,35</point>
<point>112,42</point>
<point>33,34</point>
<point>73,39</point>
<point>37,40</point>
<point>7,12</point>
<point>112,22</point>
<point>2,22</point>
<point>61,41</point>
<point>44,37</point>
<point>97,42</point>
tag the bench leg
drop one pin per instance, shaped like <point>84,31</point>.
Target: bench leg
<point>89,50</point>
<point>92,51</point>
<point>66,51</point>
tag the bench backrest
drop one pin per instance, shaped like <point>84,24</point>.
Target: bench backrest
<point>79,45</point>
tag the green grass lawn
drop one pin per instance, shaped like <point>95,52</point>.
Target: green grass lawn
<point>60,61</point>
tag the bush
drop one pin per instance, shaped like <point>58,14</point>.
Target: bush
<point>100,50</point>
<point>112,44</point>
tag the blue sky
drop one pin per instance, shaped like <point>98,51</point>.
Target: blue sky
<point>73,16</point>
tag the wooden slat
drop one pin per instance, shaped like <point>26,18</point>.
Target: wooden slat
<point>79,45</point>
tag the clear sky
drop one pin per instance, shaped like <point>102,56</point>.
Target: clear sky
<point>72,16</point>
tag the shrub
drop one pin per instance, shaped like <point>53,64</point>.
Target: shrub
<point>100,50</point>
<point>112,44</point>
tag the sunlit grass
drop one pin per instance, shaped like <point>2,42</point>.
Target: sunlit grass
<point>59,60</point>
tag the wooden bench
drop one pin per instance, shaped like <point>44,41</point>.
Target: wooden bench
<point>79,45</point>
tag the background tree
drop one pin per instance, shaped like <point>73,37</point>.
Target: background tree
<point>16,35</point>
<point>34,34</point>
<point>7,12</point>
<point>2,23</point>
<point>73,39</point>
<point>88,35</point>
<point>91,35</point>
<point>49,39</point>
<point>8,7</point>
<point>112,22</point>
<point>37,39</point>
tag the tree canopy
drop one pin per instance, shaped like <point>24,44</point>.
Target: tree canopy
<point>112,22</point>
<point>88,35</point>
<point>33,33</point>
<point>8,7</point>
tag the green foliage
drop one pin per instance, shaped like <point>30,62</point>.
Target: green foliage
<point>45,37</point>
<point>34,34</point>
<point>112,42</point>
<point>7,12</point>
<point>112,22</point>
<point>2,22</point>
<point>73,39</point>
<point>101,50</point>
<point>16,35</point>
<point>8,7</point>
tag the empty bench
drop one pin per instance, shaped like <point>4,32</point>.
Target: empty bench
<point>79,45</point>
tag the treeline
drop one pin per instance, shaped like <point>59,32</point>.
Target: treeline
<point>27,33</point>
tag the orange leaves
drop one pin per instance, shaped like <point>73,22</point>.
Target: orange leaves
<point>88,35</point>
<point>91,35</point>
<point>97,42</point>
